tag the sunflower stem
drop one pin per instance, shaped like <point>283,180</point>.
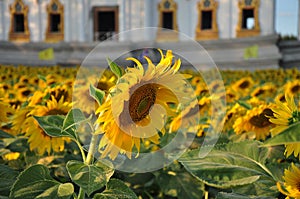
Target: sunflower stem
<point>92,149</point>
<point>81,150</point>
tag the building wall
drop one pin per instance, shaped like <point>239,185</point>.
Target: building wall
<point>133,14</point>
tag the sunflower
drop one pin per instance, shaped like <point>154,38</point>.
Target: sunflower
<point>264,91</point>
<point>5,112</point>
<point>292,87</point>
<point>256,120</point>
<point>138,105</point>
<point>38,140</point>
<point>243,86</point>
<point>291,182</point>
<point>286,114</point>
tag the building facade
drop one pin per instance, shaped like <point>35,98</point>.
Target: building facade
<point>96,20</point>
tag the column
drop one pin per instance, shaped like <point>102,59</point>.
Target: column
<point>2,5</point>
<point>299,20</point>
<point>40,20</point>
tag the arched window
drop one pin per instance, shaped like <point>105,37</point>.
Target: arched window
<point>207,27</point>
<point>248,22</point>
<point>167,20</point>
<point>55,24</point>
<point>19,30</point>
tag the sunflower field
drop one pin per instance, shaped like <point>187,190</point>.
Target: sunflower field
<point>64,135</point>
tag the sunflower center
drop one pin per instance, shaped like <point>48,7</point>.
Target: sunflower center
<point>262,119</point>
<point>295,89</point>
<point>141,101</point>
<point>244,84</point>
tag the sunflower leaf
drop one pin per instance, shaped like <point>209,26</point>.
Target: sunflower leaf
<point>288,136</point>
<point>181,185</point>
<point>224,195</point>
<point>97,94</point>
<point>36,182</point>
<point>229,165</point>
<point>89,177</point>
<point>74,118</point>
<point>114,68</point>
<point>7,178</point>
<point>116,189</point>
<point>53,126</point>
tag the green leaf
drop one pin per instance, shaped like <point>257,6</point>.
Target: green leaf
<point>36,182</point>
<point>3,134</point>
<point>223,195</point>
<point>97,94</point>
<point>180,185</point>
<point>42,78</point>
<point>89,177</point>
<point>53,126</point>
<point>116,189</point>
<point>7,178</point>
<point>288,136</point>
<point>114,68</point>
<point>244,104</point>
<point>229,165</point>
<point>73,119</point>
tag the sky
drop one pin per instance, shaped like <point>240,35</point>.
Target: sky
<point>287,17</point>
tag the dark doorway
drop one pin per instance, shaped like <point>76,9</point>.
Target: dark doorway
<point>105,22</point>
<point>19,23</point>
<point>248,19</point>
<point>167,20</point>
<point>206,22</point>
<point>55,22</point>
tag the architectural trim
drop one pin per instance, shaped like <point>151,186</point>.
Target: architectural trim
<point>19,8</point>
<point>55,8</point>
<point>167,6</point>
<point>207,34</point>
<point>248,5</point>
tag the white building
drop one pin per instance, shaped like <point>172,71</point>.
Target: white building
<point>92,20</point>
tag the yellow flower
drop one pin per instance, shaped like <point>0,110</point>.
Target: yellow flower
<point>256,120</point>
<point>286,114</point>
<point>38,140</point>
<point>243,86</point>
<point>292,87</point>
<point>291,182</point>
<point>11,156</point>
<point>5,112</point>
<point>264,91</point>
<point>138,105</point>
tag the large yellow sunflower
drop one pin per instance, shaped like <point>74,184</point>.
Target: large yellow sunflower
<point>138,105</point>
<point>291,183</point>
<point>38,140</point>
<point>255,120</point>
<point>292,87</point>
<point>286,114</point>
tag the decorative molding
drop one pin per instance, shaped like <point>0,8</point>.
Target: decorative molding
<point>19,8</point>
<point>248,5</point>
<point>55,8</point>
<point>207,34</point>
<point>167,6</point>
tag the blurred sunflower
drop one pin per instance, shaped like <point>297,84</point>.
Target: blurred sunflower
<point>243,86</point>
<point>138,105</point>
<point>264,91</point>
<point>286,114</point>
<point>5,112</point>
<point>292,87</point>
<point>291,182</point>
<point>38,140</point>
<point>255,120</point>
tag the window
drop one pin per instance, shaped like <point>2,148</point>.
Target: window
<point>248,22</point>
<point>167,21</point>
<point>207,28</point>
<point>55,23</point>
<point>19,24</point>
<point>106,22</point>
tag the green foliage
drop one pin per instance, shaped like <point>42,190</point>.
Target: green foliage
<point>181,185</point>
<point>289,136</point>
<point>89,177</point>
<point>97,94</point>
<point>7,178</point>
<point>233,165</point>
<point>114,68</point>
<point>62,126</point>
<point>36,182</point>
<point>116,189</point>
